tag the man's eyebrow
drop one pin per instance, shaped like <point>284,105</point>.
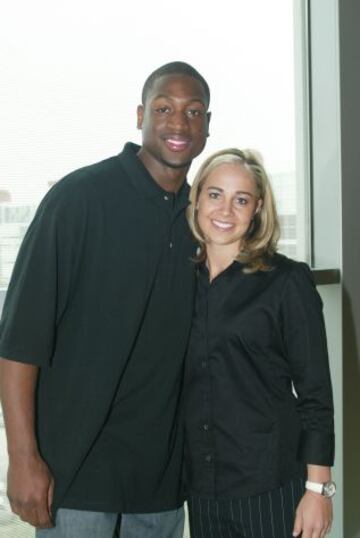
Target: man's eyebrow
<point>190,100</point>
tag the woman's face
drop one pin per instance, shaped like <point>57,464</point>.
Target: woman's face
<point>227,204</point>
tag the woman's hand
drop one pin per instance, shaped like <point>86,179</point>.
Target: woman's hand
<point>313,516</point>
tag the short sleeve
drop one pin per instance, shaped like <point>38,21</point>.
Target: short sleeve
<point>39,284</point>
<point>306,349</point>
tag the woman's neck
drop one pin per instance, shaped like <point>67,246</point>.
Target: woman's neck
<point>219,258</point>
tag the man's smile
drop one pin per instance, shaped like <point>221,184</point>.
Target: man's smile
<point>177,142</point>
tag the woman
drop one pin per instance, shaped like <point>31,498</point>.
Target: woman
<point>259,411</point>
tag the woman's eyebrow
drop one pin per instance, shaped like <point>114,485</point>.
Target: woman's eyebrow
<point>236,192</point>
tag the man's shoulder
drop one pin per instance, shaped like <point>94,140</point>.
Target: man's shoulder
<point>87,184</point>
<point>86,177</point>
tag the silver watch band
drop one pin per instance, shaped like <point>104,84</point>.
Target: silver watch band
<point>316,487</point>
<point>326,489</point>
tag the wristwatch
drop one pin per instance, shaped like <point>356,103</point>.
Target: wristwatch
<point>326,489</point>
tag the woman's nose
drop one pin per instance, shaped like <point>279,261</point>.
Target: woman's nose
<point>226,206</point>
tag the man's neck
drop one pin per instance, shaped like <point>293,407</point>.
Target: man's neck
<point>170,184</point>
<point>168,178</point>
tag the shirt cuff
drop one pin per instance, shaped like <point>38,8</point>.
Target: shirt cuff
<point>18,355</point>
<point>317,448</point>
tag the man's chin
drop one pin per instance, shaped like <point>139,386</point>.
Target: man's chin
<point>177,164</point>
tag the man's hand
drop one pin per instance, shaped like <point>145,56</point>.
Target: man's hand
<point>30,491</point>
<point>30,484</point>
<point>313,516</point>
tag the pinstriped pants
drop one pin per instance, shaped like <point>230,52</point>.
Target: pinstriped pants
<point>268,515</point>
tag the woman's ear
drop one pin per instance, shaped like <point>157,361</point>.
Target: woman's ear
<point>259,206</point>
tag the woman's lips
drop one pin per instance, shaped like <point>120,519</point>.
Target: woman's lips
<point>222,225</point>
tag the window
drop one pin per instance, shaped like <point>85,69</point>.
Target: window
<point>72,75</point>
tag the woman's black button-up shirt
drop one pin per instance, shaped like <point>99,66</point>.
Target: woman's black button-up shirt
<point>258,390</point>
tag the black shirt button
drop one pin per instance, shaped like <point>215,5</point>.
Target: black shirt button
<point>204,364</point>
<point>166,197</point>
<point>205,427</point>
<point>208,458</point>
<point>171,244</point>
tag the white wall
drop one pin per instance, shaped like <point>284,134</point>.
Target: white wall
<point>326,201</point>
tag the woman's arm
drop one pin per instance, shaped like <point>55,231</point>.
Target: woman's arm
<point>314,512</point>
<point>306,350</point>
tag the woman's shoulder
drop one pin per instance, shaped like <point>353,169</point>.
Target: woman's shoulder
<point>290,269</point>
<point>284,263</point>
<point>294,279</point>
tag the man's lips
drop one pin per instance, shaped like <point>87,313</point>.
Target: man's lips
<point>177,143</point>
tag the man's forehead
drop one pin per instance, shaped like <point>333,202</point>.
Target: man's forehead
<point>178,85</point>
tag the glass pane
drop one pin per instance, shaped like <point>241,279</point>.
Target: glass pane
<point>73,101</point>
<point>72,74</point>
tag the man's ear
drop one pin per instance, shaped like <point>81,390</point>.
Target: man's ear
<point>208,115</point>
<point>140,116</point>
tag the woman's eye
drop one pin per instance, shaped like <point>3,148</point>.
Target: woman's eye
<point>242,201</point>
<point>214,195</point>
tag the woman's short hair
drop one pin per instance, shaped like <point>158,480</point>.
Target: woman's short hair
<point>261,239</point>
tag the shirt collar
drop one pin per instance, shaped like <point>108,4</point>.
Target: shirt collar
<point>145,183</point>
<point>234,267</point>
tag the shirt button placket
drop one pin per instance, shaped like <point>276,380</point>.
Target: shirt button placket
<point>166,197</point>
<point>207,400</point>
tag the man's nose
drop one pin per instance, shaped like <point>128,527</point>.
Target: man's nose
<point>179,121</point>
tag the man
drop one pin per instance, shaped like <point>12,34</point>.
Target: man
<point>95,327</point>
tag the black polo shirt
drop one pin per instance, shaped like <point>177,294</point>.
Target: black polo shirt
<point>254,336</point>
<point>134,464</point>
<point>101,300</point>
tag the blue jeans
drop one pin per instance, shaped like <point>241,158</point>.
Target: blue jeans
<point>85,524</point>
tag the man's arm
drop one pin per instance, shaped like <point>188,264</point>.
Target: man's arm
<point>30,484</point>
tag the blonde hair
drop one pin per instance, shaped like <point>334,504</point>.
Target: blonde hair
<point>261,239</point>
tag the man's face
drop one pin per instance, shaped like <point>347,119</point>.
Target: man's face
<point>174,123</point>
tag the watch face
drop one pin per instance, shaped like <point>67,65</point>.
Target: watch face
<point>329,489</point>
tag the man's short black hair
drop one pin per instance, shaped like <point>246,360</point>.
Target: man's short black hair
<point>174,68</point>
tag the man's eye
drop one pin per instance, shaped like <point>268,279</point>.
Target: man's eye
<point>162,109</point>
<point>193,112</point>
